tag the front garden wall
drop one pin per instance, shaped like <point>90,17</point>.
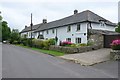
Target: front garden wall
<point>115,54</point>
<point>72,50</point>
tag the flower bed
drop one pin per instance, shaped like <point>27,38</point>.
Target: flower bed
<point>72,50</point>
<point>115,52</point>
<point>116,45</point>
<point>65,43</point>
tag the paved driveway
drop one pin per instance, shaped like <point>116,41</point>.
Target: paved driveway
<point>89,58</point>
<point>18,62</point>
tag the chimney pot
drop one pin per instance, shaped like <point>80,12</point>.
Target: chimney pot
<point>25,26</point>
<point>75,11</point>
<point>44,20</point>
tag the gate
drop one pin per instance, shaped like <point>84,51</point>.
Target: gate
<point>109,38</point>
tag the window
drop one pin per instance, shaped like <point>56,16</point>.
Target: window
<point>53,31</point>
<point>47,32</point>
<point>78,27</point>
<point>68,39</point>
<point>33,35</point>
<point>29,34</point>
<point>102,23</point>
<point>78,40</point>
<point>69,28</point>
<point>40,37</point>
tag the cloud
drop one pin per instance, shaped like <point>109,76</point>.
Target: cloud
<point>36,1</point>
<point>17,13</point>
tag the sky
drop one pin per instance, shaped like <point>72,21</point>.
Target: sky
<point>17,12</point>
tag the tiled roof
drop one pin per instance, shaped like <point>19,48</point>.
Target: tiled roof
<point>104,32</point>
<point>75,18</point>
<point>34,27</point>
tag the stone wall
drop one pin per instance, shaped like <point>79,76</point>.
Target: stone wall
<point>115,54</point>
<point>98,39</point>
<point>72,50</point>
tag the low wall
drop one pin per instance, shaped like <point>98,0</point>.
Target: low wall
<point>115,54</point>
<point>72,50</point>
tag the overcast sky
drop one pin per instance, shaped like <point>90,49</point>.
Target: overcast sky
<point>17,12</point>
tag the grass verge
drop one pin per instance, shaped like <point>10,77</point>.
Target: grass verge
<point>50,52</point>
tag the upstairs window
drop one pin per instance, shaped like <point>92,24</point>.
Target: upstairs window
<point>102,23</point>
<point>78,40</point>
<point>78,27</point>
<point>47,32</point>
<point>69,28</point>
<point>53,31</point>
<point>29,34</point>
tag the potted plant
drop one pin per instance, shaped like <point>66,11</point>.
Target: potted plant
<point>115,52</point>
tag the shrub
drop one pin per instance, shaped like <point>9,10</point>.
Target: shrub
<point>43,44</point>
<point>46,44</point>
<point>73,45</point>
<point>38,43</point>
<point>82,44</point>
<point>26,42</point>
<point>15,42</point>
<point>115,44</point>
<point>51,41</point>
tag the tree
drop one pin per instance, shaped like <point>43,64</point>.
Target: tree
<point>0,17</point>
<point>118,28</point>
<point>14,36</point>
<point>0,28</point>
<point>5,31</point>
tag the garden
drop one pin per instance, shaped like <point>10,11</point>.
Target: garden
<point>115,52</point>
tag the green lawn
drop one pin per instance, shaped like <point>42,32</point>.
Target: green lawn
<point>51,52</point>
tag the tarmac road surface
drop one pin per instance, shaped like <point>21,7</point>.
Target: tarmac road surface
<point>18,62</point>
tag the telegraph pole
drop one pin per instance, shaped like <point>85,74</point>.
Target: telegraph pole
<point>31,29</point>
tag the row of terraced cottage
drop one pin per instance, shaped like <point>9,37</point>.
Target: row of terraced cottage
<point>74,28</point>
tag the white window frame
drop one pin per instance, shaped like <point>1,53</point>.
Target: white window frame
<point>78,25</point>
<point>68,28</point>
<point>68,39</point>
<point>78,40</point>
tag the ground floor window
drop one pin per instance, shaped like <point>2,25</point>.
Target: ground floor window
<point>68,39</point>
<point>40,37</point>
<point>78,40</point>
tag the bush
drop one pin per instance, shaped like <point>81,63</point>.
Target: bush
<point>73,45</point>
<point>51,41</point>
<point>43,44</point>
<point>82,44</point>
<point>46,44</point>
<point>115,44</point>
<point>26,42</point>
<point>15,42</point>
<point>38,43</point>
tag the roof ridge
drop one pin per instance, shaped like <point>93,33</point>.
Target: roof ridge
<point>86,15</point>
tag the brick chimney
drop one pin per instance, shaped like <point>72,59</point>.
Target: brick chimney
<point>44,21</point>
<point>75,11</point>
<point>25,26</point>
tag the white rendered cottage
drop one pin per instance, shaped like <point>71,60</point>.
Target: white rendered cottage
<point>73,28</point>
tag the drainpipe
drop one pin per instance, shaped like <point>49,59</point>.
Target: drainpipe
<point>89,27</point>
<point>56,38</point>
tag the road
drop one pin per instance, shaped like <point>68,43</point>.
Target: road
<point>18,62</point>
<point>0,60</point>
